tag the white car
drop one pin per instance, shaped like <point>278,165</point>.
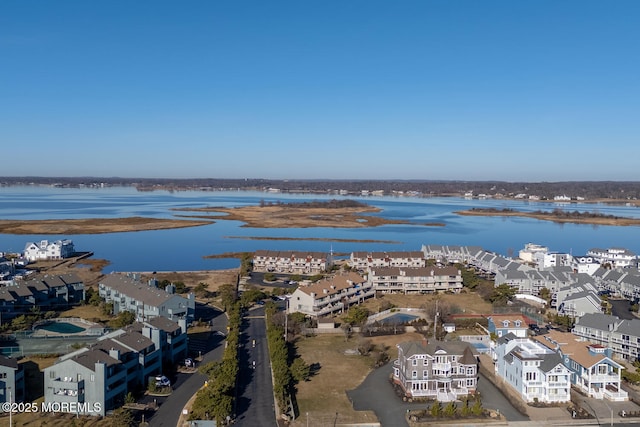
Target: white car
<point>162,381</point>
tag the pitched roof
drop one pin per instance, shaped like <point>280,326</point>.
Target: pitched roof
<point>89,358</point>
<point>332,285</point>
<point>150,295</point>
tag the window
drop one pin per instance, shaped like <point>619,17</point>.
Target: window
<point>471,370</point>
<point>414,374</point>
<point>414,362</point>
<point>425,362</point>
<point>92,378</point>
<point>531,376</point>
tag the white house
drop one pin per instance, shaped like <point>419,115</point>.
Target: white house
<point>616,257</point>
<point>44,250</point>
<point>536,372</point>
<point>593,371</point>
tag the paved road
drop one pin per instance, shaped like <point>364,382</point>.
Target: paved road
<point>186,385</point>
<point>376,394</point>
<point>620,308</point>
<point>255,404</point>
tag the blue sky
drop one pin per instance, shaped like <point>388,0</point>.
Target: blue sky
<point>333,89</point>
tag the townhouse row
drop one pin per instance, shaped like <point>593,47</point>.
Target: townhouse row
<point>337,292</point>
<point>46,292</point>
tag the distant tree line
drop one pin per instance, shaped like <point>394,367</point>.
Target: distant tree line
<point>331,204</point>
<point>426,188</point>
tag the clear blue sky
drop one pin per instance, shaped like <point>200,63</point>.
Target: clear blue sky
<point>337,89</point>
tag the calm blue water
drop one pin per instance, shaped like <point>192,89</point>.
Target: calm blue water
<point>183,249</point>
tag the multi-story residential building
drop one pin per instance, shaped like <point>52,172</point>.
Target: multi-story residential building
<point>409,280</point>
<point>126,293</point>
<point>364,260</point>
<point>530,249</point>
<point>330,295</point>
<point>503,324</point>
<point>621,336</point>
<point>293,262</point>
<point>48,292</point>
<point>533,370</point>
<point>119,362</point>
<point>593,371</point>
<point>584,264</point>
<point>11,380</point>
<point>615,257</point>
<point>445,371</point>
<point>91,382</point>
<point>44,249</point>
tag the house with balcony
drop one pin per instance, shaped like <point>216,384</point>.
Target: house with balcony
<point>291,262</point>
<point>87,378</point>
<point>168,336</point>
<point>536,372</point>
<point>362,261</point>
<point>615,257</point>
<point>146,301</point>
<point>11,380</point>
<point>593,371</point>
<point>46,250</point>
<point>446,371</point>
<point>330,295</point>
<point>415,280</point>
<point>620,335</point>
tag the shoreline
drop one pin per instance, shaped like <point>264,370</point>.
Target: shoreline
<point>560,219</point>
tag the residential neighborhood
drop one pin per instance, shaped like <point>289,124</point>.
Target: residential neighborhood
<point>528,358</point>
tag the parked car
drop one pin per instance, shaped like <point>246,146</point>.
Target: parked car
<point>162,381</point>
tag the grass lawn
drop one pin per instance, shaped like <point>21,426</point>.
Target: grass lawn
<point>324,394</point>
<point>87,312</point>
<point>469,302</point>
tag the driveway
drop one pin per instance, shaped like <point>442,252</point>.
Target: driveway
<point>376,394</point>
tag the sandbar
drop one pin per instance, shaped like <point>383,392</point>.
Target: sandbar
<point>94,225</point>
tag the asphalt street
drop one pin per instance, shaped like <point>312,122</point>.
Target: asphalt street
<point>255,402</point>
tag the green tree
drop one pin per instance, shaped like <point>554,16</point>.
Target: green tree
<point>228,295</point>
<point>450,410</point>
<point>502,294</point>
<point>357,315</point>
<point>123,319</point>
<point>477,408</point>
<point>436,409</point>
<point>300,370</point>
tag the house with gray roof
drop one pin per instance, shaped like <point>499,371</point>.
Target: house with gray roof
<point>145,300</point>
<point>536,372</point>
<point>90,382</point>
<point>11,380</point>
<point>622,336</point>
<point>446,371</point>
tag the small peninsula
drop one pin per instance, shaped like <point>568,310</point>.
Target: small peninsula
<point>94,225</point>
<point>556,215</point>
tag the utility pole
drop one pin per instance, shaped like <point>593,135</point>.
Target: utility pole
<point>435,322</point>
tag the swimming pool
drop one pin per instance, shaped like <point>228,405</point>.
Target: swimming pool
<point>398,319</point>
<point>61,327</point>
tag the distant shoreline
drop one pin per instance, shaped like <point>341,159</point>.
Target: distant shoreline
<point>557,216</point>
